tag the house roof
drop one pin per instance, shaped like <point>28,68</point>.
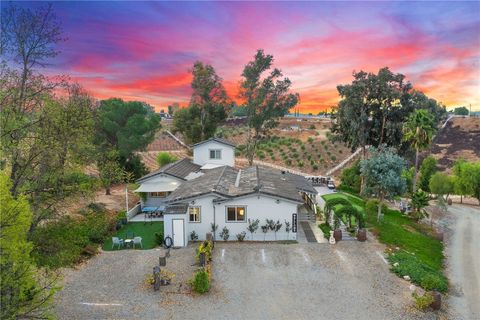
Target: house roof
<point>229,182</point>
<point>178,169</point>
<point>301,183</point>
<point>219,140</point>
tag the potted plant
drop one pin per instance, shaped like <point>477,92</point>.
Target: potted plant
<point>337,233</point>
<point>361,232</point>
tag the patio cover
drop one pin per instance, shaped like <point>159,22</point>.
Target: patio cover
<point>157,187</point>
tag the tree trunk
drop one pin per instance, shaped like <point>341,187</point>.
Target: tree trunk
<point>461,198</point>
<point>379,212</point>
<point>414,184</point>
<point>107,191</point>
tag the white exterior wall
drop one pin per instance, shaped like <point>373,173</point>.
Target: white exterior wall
<point>161,180</point>
<point>168,226</point>
<point>201,154</point>
<point>257,207</point>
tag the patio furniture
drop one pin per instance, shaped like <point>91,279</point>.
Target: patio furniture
<point>130,235</point>
<point>117,241</point>
<point>137,240</point>
<point>128,243</point>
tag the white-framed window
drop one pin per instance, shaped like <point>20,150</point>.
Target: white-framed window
<point>194,214</point>
<point>159,194</point>
<point>216,154</point>
<point>236,213</point>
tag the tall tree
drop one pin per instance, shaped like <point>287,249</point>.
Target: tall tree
<point>418,130</point>
<point>373,108</point>
<point>383,175</point>
<point>267,97</point>
<point>209,105</point>
<point>22,295</point>
<point>461,179</point>
<point>125,127</point>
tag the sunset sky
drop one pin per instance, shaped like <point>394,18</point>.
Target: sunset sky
<point>143,50</point>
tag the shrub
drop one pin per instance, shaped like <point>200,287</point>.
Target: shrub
<point>241,236</point>
<point>225,234</point>
<point>325,229</point>
<point>310,139</point>
<point>164,158</point>
<point>193,236</point>
<point>205,247</point>
<point>302,147</point>
<point>423,302</point>
<point>333,158</point>
<point>419,272</point>
<point>288,162</point>
<point>159,238</point>
<point>315,167</point>
<point>312,127</point>
<point>300,164</point>
<point>201,282</point>
<point>371,208</point>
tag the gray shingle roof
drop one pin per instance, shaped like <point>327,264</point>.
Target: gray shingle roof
<point>301,183</point>
<point>219,140</point>
<point>178,169</point>
<point>178,208</point>
<point>229,182</point>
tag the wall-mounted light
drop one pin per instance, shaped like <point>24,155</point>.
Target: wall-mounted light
<point>277,201</point>
<point>192,202</point>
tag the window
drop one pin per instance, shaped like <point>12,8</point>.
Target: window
<point>236,214</point>
<point>194,214</point>
<point>215,154</point>
<point>159,194</point>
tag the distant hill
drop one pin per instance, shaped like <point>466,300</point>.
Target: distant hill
<point>460,138</point>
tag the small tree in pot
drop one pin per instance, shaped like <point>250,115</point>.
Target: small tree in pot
<point>264,230</point>
<point>252,226</point>
<point>361,232</point>
<point>225,234</point>
<point>214,228</point>
<point>277,227</point>
<point>337,233</point>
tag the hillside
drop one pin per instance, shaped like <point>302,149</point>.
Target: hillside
<point>300,144</point>
<point>460,138</point>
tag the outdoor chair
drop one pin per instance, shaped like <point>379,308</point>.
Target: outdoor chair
<point>117,241</point>
<point>130,235</point>
<point>137,240</point>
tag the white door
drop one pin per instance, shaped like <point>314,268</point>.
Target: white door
<point>178,233</point>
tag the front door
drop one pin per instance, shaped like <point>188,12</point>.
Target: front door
<point>178,233</point>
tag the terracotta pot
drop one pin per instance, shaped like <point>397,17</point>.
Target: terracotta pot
<point>437,301</point>
<point>337,234</point>
<point>362,235</point>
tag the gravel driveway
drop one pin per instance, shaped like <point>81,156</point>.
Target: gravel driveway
<point>251,281</point>
<point>463,260</point>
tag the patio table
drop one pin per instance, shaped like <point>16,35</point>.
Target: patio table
<point>128,242</point>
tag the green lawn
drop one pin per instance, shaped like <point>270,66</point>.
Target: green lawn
<point>421,256</point>
<point>140,229</point>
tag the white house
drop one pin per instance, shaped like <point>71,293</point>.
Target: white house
<point>214,152</point>
<point>194,195</point>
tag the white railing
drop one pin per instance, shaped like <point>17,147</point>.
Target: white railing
<point>344,162</point>
<point>134,211</point>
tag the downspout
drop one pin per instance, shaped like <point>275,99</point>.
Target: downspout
<point>214,221</point>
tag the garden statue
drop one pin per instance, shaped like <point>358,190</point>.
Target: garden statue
<point>331,239</point>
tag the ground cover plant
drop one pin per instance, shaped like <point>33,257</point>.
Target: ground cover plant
<point>139,229</point>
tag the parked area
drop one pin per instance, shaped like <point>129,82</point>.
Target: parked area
<point>250,281</point>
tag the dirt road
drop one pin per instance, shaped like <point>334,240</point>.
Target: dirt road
<point>463,261</point>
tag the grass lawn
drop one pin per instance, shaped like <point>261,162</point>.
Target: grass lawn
<point>140,229</point>
<point>421,256</point>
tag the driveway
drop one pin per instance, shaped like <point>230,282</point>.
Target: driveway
<point>463,260</point>
<point>251,281</point>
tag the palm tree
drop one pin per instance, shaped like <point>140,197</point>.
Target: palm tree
<point>418,130</point>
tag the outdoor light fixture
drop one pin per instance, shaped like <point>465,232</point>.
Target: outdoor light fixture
<point>278,201</point>
<point>192,202</point>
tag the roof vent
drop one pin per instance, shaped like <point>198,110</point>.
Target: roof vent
<point>237,181</point>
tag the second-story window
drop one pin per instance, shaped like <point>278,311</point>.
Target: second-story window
<point>215,154</point>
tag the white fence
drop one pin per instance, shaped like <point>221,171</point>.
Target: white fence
<point>133,212</point>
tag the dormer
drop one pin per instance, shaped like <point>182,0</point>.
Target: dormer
<point>214,152</point>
